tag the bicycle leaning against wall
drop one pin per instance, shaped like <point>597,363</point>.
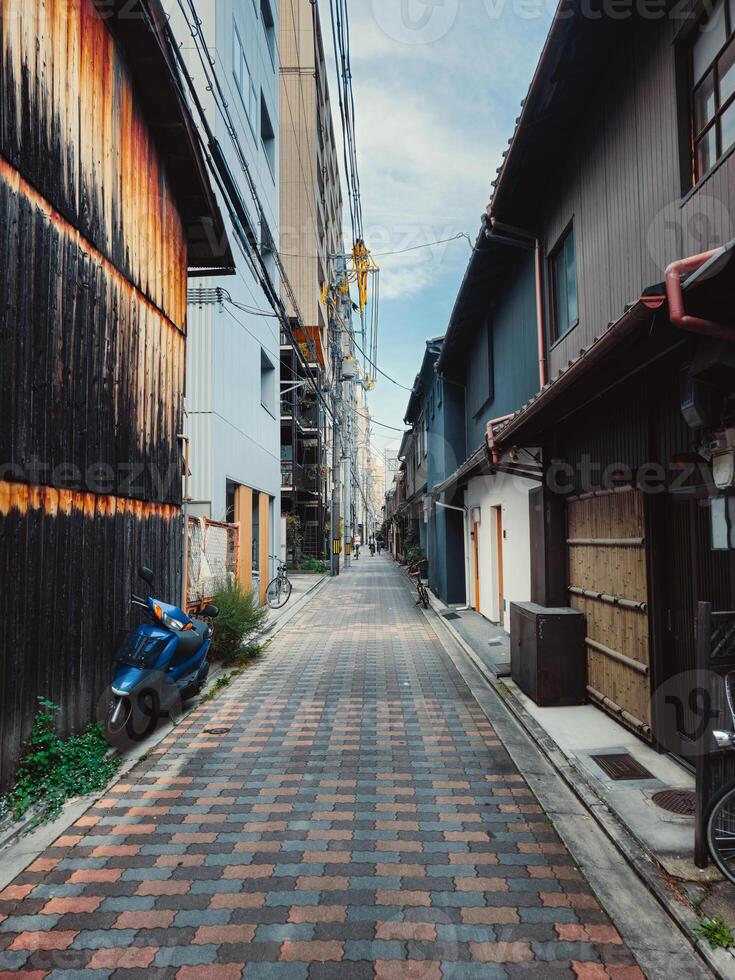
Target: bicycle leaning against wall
<point>721,819</point>
<point>279,589</point>
<point>418,571</point>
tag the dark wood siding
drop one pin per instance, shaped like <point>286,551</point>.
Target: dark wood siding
<point>92,347</point>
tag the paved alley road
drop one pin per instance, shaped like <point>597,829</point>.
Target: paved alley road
<point>343,810</point>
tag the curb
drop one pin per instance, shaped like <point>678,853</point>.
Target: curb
<point>38,838</point>
<point>638,858</point>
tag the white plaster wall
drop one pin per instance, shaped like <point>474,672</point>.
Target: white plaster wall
<point>511,494</point>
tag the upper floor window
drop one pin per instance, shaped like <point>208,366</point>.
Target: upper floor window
<point>713,88</point>
<point>267,136</point>
<point>244,79</point>
<point>267,383</point>
<point>565,307</point>
<point>269,27</point>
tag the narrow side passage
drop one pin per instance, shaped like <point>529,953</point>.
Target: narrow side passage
<point>359,818</point>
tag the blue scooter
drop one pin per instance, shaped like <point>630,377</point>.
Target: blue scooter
<point>156,667</point>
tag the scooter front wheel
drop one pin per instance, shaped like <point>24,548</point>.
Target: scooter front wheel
<point>118,714</point>
<point>131,719</point>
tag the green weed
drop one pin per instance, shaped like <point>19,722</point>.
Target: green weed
<point>55,770</point>
<point>716,932</point>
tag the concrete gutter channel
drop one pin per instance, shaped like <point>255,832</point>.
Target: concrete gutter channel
<point>21,843</point>
<point>594,835</point>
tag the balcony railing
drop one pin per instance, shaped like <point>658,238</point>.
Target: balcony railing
<point>292,475</point>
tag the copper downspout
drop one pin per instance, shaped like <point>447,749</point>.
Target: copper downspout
<point>675,295</point>
<point>491,436</point>
<point>540,330</point>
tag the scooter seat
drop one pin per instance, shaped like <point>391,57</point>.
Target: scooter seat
<point>191,640</point>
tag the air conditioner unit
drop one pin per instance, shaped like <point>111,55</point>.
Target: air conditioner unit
<point>722,448</point>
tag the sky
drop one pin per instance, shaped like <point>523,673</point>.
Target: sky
<point>438,86</point>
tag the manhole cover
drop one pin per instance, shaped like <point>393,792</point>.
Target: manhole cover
<point>216,731</point>
<point>450,616</point>
<point>621,766</point>
<point>681,801</point>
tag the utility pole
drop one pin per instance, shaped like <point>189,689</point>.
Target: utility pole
<point>345,317</point>
<point>337,436</point>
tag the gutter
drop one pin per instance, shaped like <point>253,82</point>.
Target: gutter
<point>675,296</point>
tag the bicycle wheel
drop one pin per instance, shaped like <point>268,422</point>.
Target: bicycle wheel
<point>721,832</point>
<point>278,592</point>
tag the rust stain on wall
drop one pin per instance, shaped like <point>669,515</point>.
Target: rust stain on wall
<point>93,265</point>
<point>71,126</point>
<point>22,498</point>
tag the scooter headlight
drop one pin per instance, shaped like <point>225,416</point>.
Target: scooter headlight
<point>168,621</point>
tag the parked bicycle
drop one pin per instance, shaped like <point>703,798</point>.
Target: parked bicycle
<point>279,589</point>
<point>417,571</point>
<point>721,819</point>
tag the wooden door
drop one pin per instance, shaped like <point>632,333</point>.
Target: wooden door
<point>499,560</point>
<point>608,582</point>
<point>476,554</point>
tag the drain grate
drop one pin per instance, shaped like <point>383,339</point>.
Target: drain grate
<point>216,731</point>
<point>680,801</point>
<point>621,766</point>
<point>451,616</point>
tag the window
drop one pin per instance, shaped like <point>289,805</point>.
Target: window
<point>267,383</point>
<point>267,136</point>
<point>564,285</point>
<point>713,88</point>
<point>269,27</point>
<point>244,79</point>
<point>267,247</point>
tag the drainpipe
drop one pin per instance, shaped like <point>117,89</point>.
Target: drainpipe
<point>675,296</point>
<point>496,225</point>
<point>465,524</point>
<point>491,436</point>
<point>184,440</point>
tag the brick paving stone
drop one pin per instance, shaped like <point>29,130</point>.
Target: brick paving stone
<point>359,819</point>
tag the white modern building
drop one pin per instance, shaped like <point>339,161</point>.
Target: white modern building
<point>233,349</point>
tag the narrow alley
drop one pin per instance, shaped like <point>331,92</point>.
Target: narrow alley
<point>343,809</point>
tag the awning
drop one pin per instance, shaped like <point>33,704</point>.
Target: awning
<point>528,424</point>
<point>642,334</point>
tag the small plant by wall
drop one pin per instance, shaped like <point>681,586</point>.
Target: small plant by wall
<point>55,770</point>
<point>240,616</point>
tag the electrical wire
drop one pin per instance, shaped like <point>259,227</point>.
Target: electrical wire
<point>373,421</point>
<point>379,371</point>
<point>415,248</point>
<point>251,253</point>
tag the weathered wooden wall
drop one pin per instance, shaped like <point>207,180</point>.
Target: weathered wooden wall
<point>92,354</point>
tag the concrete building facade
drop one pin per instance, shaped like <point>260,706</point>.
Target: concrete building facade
<point>232,416</point>
<point>311,236</point>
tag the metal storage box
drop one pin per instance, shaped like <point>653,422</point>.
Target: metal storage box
<point>548,654</point>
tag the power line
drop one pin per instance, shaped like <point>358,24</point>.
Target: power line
<point>375,422</point>
<point>229,190</point>
<point>442,241</point>
<point>376,368</point>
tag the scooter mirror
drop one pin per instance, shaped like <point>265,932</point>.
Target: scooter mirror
<point>146,574</point>
<point>210,611</point>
